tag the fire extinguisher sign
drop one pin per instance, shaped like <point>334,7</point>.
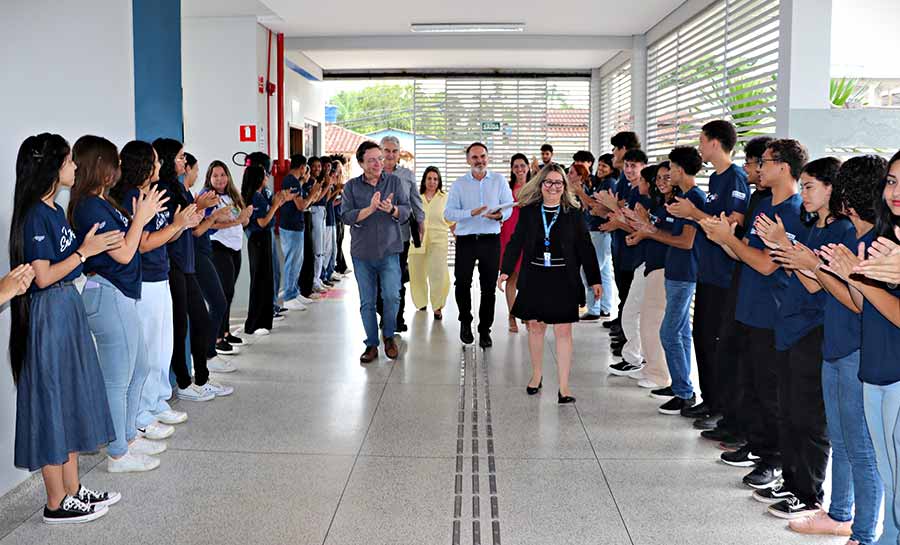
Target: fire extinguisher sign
<point>248,133</point>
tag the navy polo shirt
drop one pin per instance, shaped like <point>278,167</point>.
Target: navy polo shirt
<point>843,327</point>
<point>48,236</point>
<point>758,295</point>
<point>202,243</point>
<point>291,218</point>
<point>622,190</point>
<point>125,277</point>
<point>261,206</point>
<point>728,192</point>
<point>155,263</point>
<point>596,186</point>
<point>655,251</point>
<point>879,358</point>
<point>681,265</point>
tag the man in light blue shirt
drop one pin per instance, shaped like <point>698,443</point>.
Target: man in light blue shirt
<point>475,204</point>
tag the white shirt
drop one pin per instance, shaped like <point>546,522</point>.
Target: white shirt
<point>230,237</point>
<point>467,194</point>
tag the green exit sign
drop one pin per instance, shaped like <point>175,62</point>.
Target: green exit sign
<point>490,126</point>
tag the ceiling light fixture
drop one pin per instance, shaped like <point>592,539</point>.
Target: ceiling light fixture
<point>467,27</point>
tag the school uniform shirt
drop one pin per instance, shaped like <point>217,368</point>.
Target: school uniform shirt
<point>48,236</point>
<point>261,205</point>
<point>155,263</point>
<point>125,277</point>
<point>182,249</point>
<point>728,193</point>
<point>202,243</point>
<point>291,217</point>
<point>230,237</point>
<point>596,186</point>
<point>843,327</point>
<point>755,198</point>
<point>800,311</point>
<point>626,257</point>
<point>655,251</point>
<point>329,214</point>
<point>759,295</point>
<point>880,349</point>
<point>681,265</point>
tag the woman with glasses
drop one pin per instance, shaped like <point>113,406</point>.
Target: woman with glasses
<point>553,240</point>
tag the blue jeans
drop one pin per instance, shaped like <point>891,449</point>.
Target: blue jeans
<point>118,333</point>
<point>601,243</point>
<point>854,471</point>
<point>292,248</point>
<point>369,274</point>
<point>675,335</point>
<point>318,240</point>
<point>882,405</point>
<point>330,254</point>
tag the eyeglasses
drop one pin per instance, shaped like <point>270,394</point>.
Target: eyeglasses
<point>553,184</point>
<point>764,161</point>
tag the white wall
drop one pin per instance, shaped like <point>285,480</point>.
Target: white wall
<point>69,70</point>
<point>864,38</point>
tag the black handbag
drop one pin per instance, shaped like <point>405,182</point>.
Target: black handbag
<point>414,231</point>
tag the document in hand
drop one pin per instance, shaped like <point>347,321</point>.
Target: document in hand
<point>496,209</point>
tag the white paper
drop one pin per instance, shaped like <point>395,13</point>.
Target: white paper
<point>496,209</point>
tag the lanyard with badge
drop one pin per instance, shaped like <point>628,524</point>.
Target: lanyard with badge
<point>547,234</point>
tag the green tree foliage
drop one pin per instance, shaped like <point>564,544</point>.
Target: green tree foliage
<point>375,107</point>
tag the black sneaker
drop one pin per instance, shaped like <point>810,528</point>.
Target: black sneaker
<point>233,339</point>
<point>225,347</point>
<point>764,476</point>
<point>716,434</point>
<point>401,327</point>
<point>625,369</point>
<point>588,317</point>
<point>73,511</point>
<point>277,317</point>
<point>700,410</point>
<point>465,333</point>
<point>90,497</point>
<point>773,495</point>
<point>611,323</point>
<point>484,340</point>
<point>742,457</point>
<point>663,393</point>
<point>619,366</point>
<point>282,310</point>
<point>708,423</point>
<point>675,405</point>
<point>792,508</point>
<point>604,314</point>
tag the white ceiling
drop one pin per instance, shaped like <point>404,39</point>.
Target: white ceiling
<point>361,18</point>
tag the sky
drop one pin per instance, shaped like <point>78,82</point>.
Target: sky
<point>865,38</point>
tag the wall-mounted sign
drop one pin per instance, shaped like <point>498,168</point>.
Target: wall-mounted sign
<point>490,126</point>
<point>248,133</point>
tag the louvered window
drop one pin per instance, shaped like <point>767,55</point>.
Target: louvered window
<point>615,105</point>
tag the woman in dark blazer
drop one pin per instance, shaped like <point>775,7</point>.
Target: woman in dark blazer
<point>553,240</point>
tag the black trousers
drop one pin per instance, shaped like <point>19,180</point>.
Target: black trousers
<point>262,282</point>
<point>228,266</point>
<point>404,278</point>
<point>214,295</point>
<point>623,286</point>
<point>728,362</point>
<point>485,251</point>
<point>759,382</point>
<point>187,304</point>
<point>709,313</point>
<point>802,431</point>
<point>305,280</point>
<point>340,262</point>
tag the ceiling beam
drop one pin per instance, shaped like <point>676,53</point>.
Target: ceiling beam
<point>459,42</point>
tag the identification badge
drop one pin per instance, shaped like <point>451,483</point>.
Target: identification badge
<point>546,259</point>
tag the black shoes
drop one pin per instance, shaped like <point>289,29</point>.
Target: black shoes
<point>772,495</point>
<point>401,327</point>
<point>90,497</point>
<point>562,400</point>
<point>708,423</point>
<point>662,393</point>
<point>484,340</point>
<point>792,508</point>
<point>742,457</point>
<point>588,317</point>
<point>625,369</point>
<point>225,347</point>
<point>763,476</point>
<point>73,511</point>
<point>610,323</point>
<point>465,333</point>
<point>701,410</point>
<point>233,339</point>
<point>532,391</point>
<point>604,314</point>
<point>676,405</point>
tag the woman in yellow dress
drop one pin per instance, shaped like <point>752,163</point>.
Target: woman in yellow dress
<point>428,270</point>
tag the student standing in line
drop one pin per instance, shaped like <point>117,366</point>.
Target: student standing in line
<point>259,248</point>
<point>291,229</point>
<point>187,297</point>
<point>728,192</point>
<point>52,355</point>
<point>758,296</point>
<point>519,174</point>
<point>554,243</point>
<point>317,210</point>
<point>139,169</point>
<point>429,276</point>
<point>854,472</point>
<point>880,348</point>
<point>227,240</point>
<point>110,296</point>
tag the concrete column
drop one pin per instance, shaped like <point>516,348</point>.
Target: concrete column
<point>157,69</point>
<point>639,86</point>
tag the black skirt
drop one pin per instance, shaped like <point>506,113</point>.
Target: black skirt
<point>546,295</point>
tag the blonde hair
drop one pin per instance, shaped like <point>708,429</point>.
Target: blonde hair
<point>531,191</point>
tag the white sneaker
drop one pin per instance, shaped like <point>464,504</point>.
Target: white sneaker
<point>217,389</point>
<point>147,448</point>
<point>314,296</point>
<point>336,277</point>
<point>305,300</point>
<point>261,332</point>
<point>321,289</point>
<point>194,393</point>
<point>294,304</point>
<point>131,463</point>
<point>157,431</point>
<point>171,416</point>
<point>649,384</point>
<point>639,375</point>
<point>218,365</point>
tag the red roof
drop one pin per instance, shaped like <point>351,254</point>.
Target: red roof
<point>341,140</point>
<point>571,122</point>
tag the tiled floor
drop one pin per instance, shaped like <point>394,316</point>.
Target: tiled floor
<point>314,449</point>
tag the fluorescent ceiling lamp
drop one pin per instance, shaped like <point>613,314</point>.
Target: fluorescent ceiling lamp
<point>467,27</point>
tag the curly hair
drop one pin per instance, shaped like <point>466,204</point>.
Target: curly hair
<point>138,159</point>
<point>858,183</point>
<point>790,152</point>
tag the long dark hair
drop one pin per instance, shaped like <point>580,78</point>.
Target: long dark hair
<point>512,175</point>
<point>98,168</point>
<point>230,188</point>
<point>136,162</point>
<point>167,149</point>
<point>37,173</point>
<point>254,178</point>
<point>607,159</point>
<point>825,170</point>
<point>857,185</point>
<point>885,220</point>
<point>440,186</point>
<point>656,196</point>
